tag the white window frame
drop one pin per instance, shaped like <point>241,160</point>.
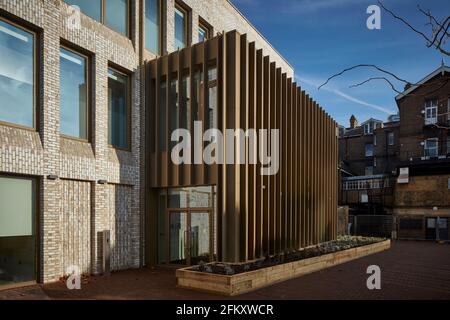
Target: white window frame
<point>431,112</point>
<point>427,148</point>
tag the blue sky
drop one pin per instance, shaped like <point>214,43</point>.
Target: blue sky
<point>322,37</point>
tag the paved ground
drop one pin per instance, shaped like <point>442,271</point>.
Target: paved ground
<point>409,270</point>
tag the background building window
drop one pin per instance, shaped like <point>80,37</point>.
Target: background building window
<point>180,28</point>
<point>431,112</point>
<point>74,94</point>
<point>431,147</point>
<point>448,145</point>
<point>391,138</point>
<point>116,15</point>
<point>113,13</point>
<point>91,8</point>
<point>16,75</point>
<point>153,25</point>
<point>369,171</point>
<point>118,109</point>
<point>369,150</point>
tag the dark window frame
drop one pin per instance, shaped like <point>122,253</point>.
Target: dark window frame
<point>89,94</point>
<point>187,15</point>
<point>202,24</point>
<point>127,74</point>
<point>36,74</point>
<point>160,31</point>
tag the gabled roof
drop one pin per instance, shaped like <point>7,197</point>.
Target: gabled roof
<point>442,69</point>
<point>371,120</point>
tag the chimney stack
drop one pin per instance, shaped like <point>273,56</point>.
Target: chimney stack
<point>353,122</point>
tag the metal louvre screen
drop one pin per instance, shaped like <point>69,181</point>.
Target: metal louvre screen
<point>234,86</point>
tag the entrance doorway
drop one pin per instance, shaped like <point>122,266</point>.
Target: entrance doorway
<point>186,226</point>
<point>190,237</point>
<point>437,226</point>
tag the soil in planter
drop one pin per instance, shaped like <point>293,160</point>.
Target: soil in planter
<point>342,243</point>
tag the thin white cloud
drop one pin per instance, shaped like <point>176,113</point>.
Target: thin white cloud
<point>341,94</point>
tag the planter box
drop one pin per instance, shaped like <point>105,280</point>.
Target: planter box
<point>244,282</point>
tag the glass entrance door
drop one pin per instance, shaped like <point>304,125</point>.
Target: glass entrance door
<point>200,237</point>
<point>178,234</point>
<point>189,237</point>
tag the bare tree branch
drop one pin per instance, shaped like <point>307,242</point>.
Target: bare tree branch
<point>363,66</point>
<point>439,31</point>
<point>376,78</point>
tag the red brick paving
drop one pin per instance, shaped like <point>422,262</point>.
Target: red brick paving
<point>409,270</point>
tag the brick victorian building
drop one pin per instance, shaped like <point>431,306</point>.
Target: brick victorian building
<point>76,105</point>
<point>402,167</point>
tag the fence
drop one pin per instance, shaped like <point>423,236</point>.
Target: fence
<point>371,225</point>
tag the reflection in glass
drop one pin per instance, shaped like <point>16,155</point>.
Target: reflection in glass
<point>16,75</point>
<point>162,227</point>
<point>73,81</point>
<point>180,28</point>
<point>116,13</point>
<point>174,111</point>
<point>200,237</point>
<point>118,109</point>
<point>177,237</point>
<point>197,94</point>
<point>211,110</point>
<point>185,102</point>
<point>202,34</point>
<point>152,25</point>
<point>17,230</point>
<point>91,8</point>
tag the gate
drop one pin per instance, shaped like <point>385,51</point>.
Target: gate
<point>371,225</point>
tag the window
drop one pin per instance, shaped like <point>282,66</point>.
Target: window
<point>374,139</point>
<point>448,110</point>
<point>431,147</point>
<point>17,229</point>
<point>204,31</point>
<point>431,112</point>
<point>181,21</point>
<point>17,79</point>
<point>91,8</point>
<point>153,25</point>
<point>118,109</point>
<point>369,171</point>
<point>374,161</point>
<point>368,128</point>
<point>369,150</point>
<point>174,108</point>
<point>113,13</point>
<point>116,15</point>
<point>211,110</point>
<point>448,145</point>
<point>185,102</point>
<point>391,140</point>
<point>74,94</point>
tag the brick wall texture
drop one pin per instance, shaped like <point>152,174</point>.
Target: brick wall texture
<point>75,208</point>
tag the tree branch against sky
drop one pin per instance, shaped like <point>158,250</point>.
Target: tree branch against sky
<point>436,37</point>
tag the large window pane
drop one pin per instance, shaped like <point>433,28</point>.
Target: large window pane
<point>202,34</point>
<point>17,230</point>
<point>180,28</point>
<point>116,13</point>
<point>152,25</point>
<point>118,109</point>
<point>16,75</point>
<point>92,8</point>
<point>73,80</point>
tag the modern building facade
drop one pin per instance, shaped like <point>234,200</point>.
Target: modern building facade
<point>77,139</point>
<point>409,178</point>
